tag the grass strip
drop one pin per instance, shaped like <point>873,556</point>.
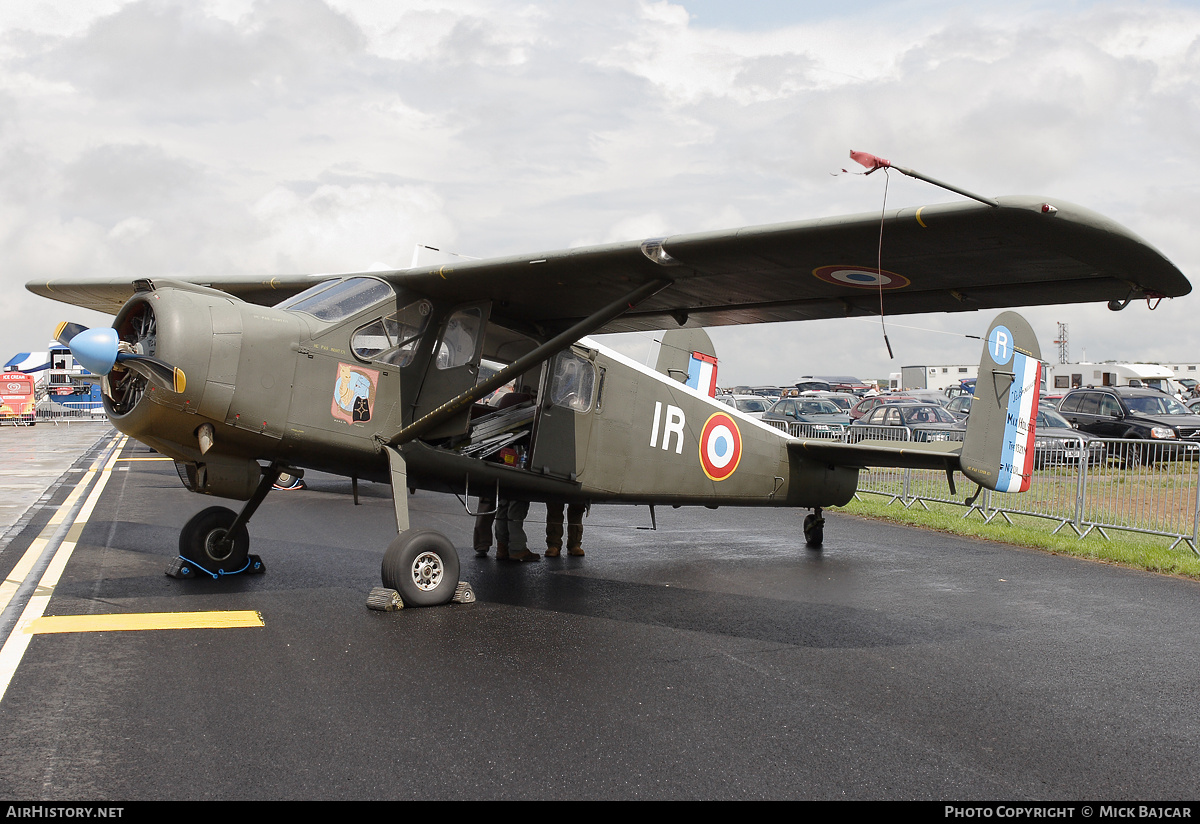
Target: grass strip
<point>1130,549</point>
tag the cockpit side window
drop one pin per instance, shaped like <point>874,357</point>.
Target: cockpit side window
<point>458,341</point>
<point>392,339</point>
<point>573,383</point>
<point>341,300</point>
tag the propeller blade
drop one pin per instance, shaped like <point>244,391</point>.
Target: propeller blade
<point>67,330</point>
<point>95,349</point>
<point>154,370</point>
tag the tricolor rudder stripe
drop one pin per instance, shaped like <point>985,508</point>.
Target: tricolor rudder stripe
<point>702,373</point>
<point>1016,456</point>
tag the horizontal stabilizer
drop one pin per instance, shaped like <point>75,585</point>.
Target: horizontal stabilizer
<point>868,453</point>
<point>997,452</point>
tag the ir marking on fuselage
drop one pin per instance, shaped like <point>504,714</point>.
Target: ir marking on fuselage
<point>673,425</point>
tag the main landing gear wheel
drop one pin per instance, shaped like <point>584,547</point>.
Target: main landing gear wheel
<point>202,541</point>
<point>422,566</point>
<point>814,530</point>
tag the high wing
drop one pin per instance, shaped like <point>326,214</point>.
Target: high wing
<point>942,258</point>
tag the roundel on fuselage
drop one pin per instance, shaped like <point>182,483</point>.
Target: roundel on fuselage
<point>720,446</point>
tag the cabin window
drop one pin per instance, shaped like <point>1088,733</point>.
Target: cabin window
<point>392,339</point>
<point>459,338</point>
<point>339,300</point>
<point>573,384</point>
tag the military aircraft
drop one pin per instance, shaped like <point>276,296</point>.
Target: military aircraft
<point>382,375</point>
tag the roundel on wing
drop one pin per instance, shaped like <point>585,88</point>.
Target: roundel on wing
<point>861,277</point>
<point>720,446</point>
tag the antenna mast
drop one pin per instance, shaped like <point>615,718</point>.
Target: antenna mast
<point>1064,347</point>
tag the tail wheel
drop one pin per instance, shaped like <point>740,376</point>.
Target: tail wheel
<point>203,541</point>
<point>422,566</point>
<point>814,530</point>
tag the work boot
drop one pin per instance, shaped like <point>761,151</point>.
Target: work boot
<point>554,531</point>
<point>575,539</point>
<point>524,555</point>
<point>501,551</point>
<point>481,551</point>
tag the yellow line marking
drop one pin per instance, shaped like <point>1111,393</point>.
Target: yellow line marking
<point>119,460</point>
<point>146,620</point>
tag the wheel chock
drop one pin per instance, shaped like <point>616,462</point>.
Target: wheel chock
<point>183,569</point>
<point>463,594</point>
<point>384,600</point>
<point>389,600</point>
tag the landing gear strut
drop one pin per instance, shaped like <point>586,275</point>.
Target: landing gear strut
<point>215,541</point>
<point>814,529</point>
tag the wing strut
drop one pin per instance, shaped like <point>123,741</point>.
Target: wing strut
<point>539,355</point>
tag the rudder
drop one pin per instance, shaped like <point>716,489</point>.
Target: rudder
<point>998,449</point>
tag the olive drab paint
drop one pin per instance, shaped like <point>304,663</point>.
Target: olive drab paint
<point>998,449</point>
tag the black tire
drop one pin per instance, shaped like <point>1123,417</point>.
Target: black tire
<point>1135,457</point>
<point>199,541</point>
<point>422,566</point>
<point>814,531</point>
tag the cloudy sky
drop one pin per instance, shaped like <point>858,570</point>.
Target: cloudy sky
<point>195,138</point>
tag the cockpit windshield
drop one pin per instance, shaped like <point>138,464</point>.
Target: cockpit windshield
<point>336,300</point>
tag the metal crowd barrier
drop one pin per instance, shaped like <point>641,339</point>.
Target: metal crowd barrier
<point>57,412</point>
<point>1151,487</point>
<point>1134,486</point>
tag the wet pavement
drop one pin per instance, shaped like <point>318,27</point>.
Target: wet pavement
<point>34,458</point>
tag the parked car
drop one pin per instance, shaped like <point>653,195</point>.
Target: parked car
<point>925,421</point>
<point>844,400</point>
<point>928,396</point>
<point>867,404</point>
<point>1170,428</point>
<point>822,418</point>
<point>1056,442</point>
<point>752,405</point>
<point>960,407</point>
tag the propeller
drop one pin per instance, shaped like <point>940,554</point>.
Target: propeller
<point>67,330</point>
<point>99,350</point>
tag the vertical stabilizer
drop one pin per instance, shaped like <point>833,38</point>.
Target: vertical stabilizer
<point>998,452</point>
<point>688,356</point>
